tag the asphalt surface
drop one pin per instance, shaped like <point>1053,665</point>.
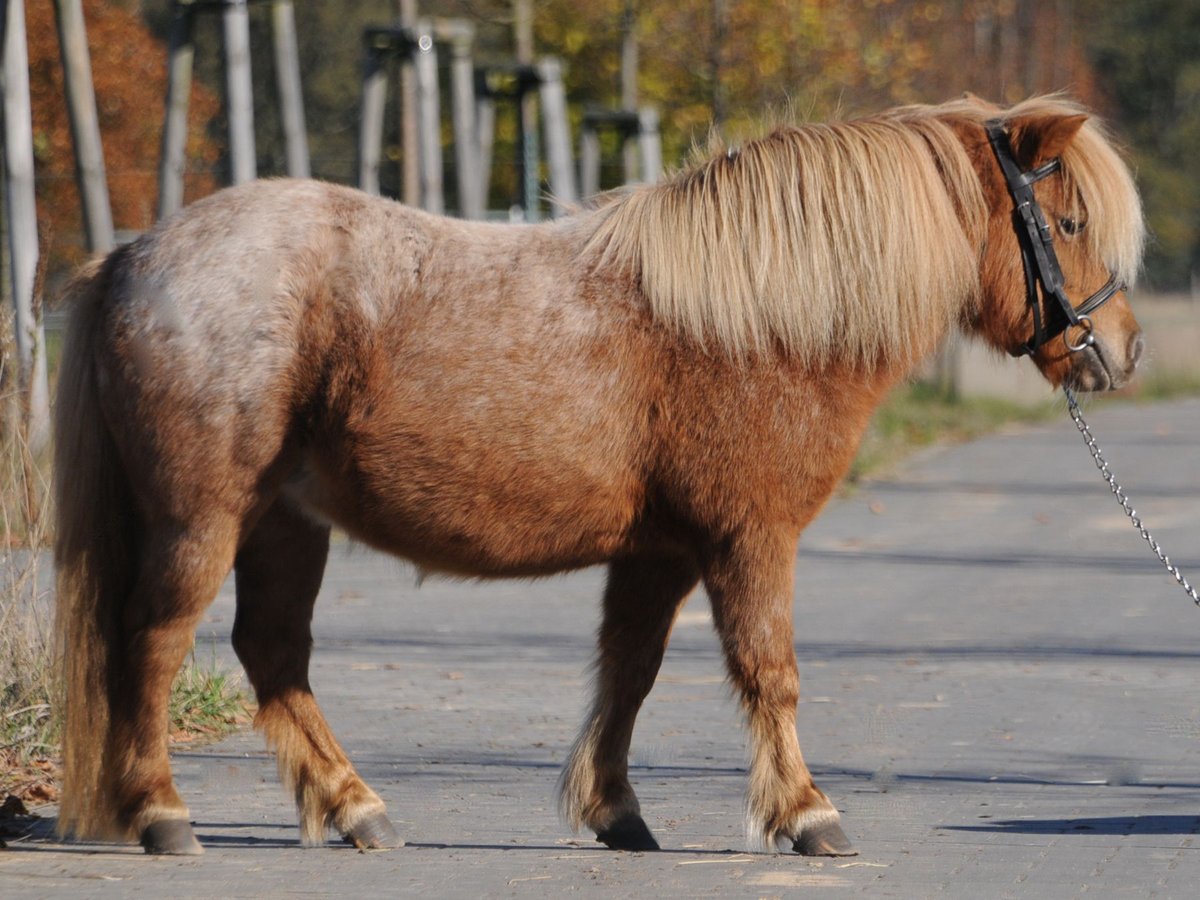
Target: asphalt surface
<point>1000,693</point>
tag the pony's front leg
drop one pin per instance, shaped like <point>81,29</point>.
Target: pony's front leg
<point>749,582</point>
<point>279,571</point>
<point>641,599</point>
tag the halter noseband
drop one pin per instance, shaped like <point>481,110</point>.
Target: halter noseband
<point>1038,257</point>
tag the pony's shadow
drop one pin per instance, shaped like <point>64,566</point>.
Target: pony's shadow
<point>244,842</point>
<point>1101,825</point>
<point>38,834</point>
<point>581,847</point>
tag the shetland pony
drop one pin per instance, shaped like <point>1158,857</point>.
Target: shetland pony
<point>670,383</point>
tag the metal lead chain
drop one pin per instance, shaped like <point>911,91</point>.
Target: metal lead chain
<point>1094,449</point>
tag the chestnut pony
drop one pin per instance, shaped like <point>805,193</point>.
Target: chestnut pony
<point>670,383</point>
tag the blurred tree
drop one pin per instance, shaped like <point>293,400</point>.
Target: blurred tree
<point>329,37</point>
<point>1147,57</point>
<point>129,71</point>
<point>738,61</point>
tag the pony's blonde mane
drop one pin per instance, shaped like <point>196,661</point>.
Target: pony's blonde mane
<point>828,241</point>
<point>848,242</point>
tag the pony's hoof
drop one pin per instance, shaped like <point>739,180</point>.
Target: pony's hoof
<point>824,840</point>
<point>374,832</point>
<point>628,833</point>
<point>171,837</point>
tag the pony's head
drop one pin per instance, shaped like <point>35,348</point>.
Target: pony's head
<point>1063,240</point>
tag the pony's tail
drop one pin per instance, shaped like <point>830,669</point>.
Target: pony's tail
<point>95,557</point>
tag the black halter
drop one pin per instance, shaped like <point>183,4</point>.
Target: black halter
<point>1038,257</point>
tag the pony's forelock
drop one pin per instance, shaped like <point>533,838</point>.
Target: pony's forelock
<point>1104,186</point>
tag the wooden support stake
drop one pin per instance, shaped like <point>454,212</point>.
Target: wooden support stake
<point>528,151</point>
<point>429,117</point>
<point>650,142</point>
<point>410,154</point>
<point>629,88</point>
<point>466,140</point>
<point>21,207</point>
<point>557,127</point>
<point>291,98</point>
<point>173,160</point>
<point>235,18</point>
<point>589,161</point>
<point>370,128</point>
<point>85,125</point>
<point>485,130</point>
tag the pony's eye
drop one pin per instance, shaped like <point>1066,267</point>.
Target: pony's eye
<point>1070,226</point>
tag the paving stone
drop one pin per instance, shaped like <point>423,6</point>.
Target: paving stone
<point>1000,693</point>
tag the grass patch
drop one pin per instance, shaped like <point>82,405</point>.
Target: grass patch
<point>919,415</point>
<point>29,724</point>
<point>1164,384</point>
<point>206,702</point>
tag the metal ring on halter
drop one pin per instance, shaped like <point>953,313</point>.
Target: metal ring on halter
<point>1088,338</point>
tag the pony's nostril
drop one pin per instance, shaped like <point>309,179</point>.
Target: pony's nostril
<point>1137,344</point>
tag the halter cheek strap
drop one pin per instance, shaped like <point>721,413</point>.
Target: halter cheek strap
<point>1037,253</point>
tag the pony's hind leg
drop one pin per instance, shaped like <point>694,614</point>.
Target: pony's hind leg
<point>179,573</point>
<point>641,600</point>
<point>278,572</point>
<point>749,582</point>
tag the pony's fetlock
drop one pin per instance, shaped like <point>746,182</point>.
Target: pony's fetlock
<point>627,832</point>
<point>135,825</point>
<point>373,831</point>
<point>825,839</point>
<point>616,818</point>
<point>353,810</point>
<point>170,837</point>
<point>589,797</point>
<point>815,831</point>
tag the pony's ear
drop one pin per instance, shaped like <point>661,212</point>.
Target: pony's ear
<point>976,100</point>
<point>1039,139</point>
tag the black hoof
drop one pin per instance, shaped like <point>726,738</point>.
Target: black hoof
<point>824,840</point>
<point>171,837</point>
<point>628,833</point>
<point>374,832</point>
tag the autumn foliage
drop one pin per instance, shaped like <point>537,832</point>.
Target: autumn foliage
<point>731,60</point>
<point>129,68</point>
<point>735,63</point>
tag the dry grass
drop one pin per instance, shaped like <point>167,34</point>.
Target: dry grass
<point>28,726</point>
<point>206,702</point>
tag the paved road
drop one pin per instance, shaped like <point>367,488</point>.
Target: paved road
<point>1000,692</point>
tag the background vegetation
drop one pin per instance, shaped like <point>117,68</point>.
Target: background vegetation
<point>702,62</point>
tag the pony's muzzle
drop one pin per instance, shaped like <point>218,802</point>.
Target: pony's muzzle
<point>1101,366</point>
<point>1119,375</point>
<point>1137,346</point>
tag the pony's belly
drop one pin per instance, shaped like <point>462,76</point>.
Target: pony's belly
<point>521,527</point>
